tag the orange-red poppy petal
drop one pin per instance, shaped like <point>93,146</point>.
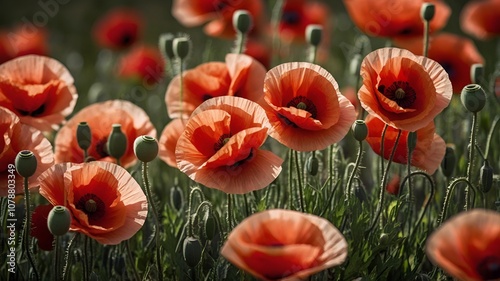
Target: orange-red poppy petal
<point>168,141</point>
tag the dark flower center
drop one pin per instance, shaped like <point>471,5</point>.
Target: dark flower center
<point>401,92</point>
<point>91,205</point>
<point>37,112</point>
<point>448,67</point>
<point>126,39</point>
<point>406,31</point>
<point>242,161</point>
<point>101,149</point>
<point>206,97</point>
<point>290,17</point>
<point>489,268</point>
<point>222,141</point>
<point>304,103</point>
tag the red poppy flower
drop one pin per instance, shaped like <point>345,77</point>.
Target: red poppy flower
<point>118,29</point>
<point>240,76</point>
<point>220,146</point>
<point>467,246</point>
<point>404,90</point>
<point>393,185</point>
<point>454,53</point>
<point>219,14</point>
<point>168,141</point>
<point>260,246</point>
<point>26,39</point>
<point>480,19</point>
<point>104,200</point>
<point>298,14</point>
<point>142,63</point>
<point>15,138</point>
<point>39,228</point>
<point>261,51</point>
<point>350,93</point>
<point>38,89</point>
<point>304,106</point>
<point>100,117</point>
<point>427,155</point>
<point>387,18</point>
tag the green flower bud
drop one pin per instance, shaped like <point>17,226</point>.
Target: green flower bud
<point>191,251</point>
<point>359,130</point>
<point>476,73</point>
<point>312,165</point>
<point>182,47</point>
<point>59,220</point>
<point>412,141</point>
<point>242,21</point>
<point>146,148</point>
<point>26,163</point>
<point>449,161</point>
<point>117,142</point>
<point>166,45</point>
<point>176,198</point>
<point>486,176</point>
<point>209,225</point>
<point>314,34</point>
<point>473,97</point>
<point>427,11</point>
<point>83,135</point>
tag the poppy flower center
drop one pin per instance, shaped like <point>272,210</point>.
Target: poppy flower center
<point>100,148</point>
<point>489,268</point>
<point>126,39</point>
<point>37,112</point>
<point>222,141</point>
<point>92,206</point>
<point>401,92</point>
<point>290,17</point>
<point>304,103</point>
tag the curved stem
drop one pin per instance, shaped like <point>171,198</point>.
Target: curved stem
<point>131,260</point>
<point>356,167</point>
<point>471,160</point>
<point>494,125</point>
<point>384,181</point>
<point>26,229</point>
<point>155,218</point>
<point>449,191</point>
<point>299,179</point>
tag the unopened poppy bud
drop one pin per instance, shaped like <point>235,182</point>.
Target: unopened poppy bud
<point>355,64</point>
<point>359,130</point>
<point>26,163</point>
<point>242,21</point>
<point>191,251</point>
<point>59,220</point>
<point>314,34</point>
<point>209,225</point>
<point>117,142</point>
<point>427,11</point>
<point>182,47</point>
<point>146,148</point>
<point>83,135</point>
<point>176,198</point>
<point>384,239</point>
<point>448,162</point>
<point>412,141</point>
<point>312,165</point>
<point>486,176</point>
<point>473,97</point>
<point>166,45</point>
<point>476,73</point>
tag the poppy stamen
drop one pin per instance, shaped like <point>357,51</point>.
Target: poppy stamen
<point>222,141</point>
<point>401,92</point>
<point>489,268</point>
<point>92,206</point>
<point>303,103</point>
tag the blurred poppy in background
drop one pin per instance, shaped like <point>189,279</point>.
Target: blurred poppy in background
<point>142,63</point>
<point>118,29</point>
<point>480,18</point>
<point>23,39</point>
<point>39,228</point>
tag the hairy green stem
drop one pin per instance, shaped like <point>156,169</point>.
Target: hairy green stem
<point>69,252</point>
<point>26,229</point>
<point>299,179</point>
<point>471,161</point>
<point>353,172</point>
<point>449,191</point>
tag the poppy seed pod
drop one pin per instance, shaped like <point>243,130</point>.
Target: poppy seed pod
<point>166,45</point>
<point>314,34</point>
<point>476,73</point>
<point>312,165</point>
<point>449,161</point>
<point>359,130</point>
<point>83,135</point>
<point>427,11</point>
<point>146,148</point>
<point>473,97</point>
<point>182,47</point>
<point>486,176</point>
<point>191,251</point>
<point>26,163</point>
<point>117,142</point>
<point>242,21</point>
<point>59,220</point>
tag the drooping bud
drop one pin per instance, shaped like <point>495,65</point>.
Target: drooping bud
<point>242,21</point>
<point>486,177</point>
<point>191,251</point>
<point>59,220</point>
<point>182,47</point>
<point>359,130</point>
<point>476,73</point>
<point>26,163</point>
<point>166,45</point>
<point>146,148</point>
<point>117,142</point>
<point>209,225</point>
<point>427,11</point>
<point>473,97</point>
<point>449,161</point>
<point>312,165</point>
<point>176,198</point>
<point>314,34</point>
<point>83,135</point>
